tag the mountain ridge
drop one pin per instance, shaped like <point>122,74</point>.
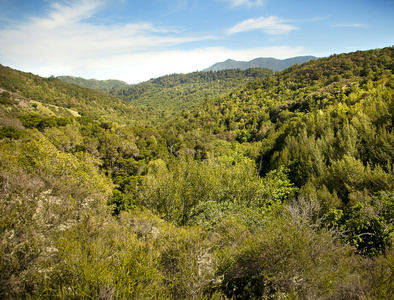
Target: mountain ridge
<point>274,64</point>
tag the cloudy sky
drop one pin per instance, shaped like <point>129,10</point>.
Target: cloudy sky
<point>135,40</point>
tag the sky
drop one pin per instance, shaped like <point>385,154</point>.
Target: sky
<point>136,40</point>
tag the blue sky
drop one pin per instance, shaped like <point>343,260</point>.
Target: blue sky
<point>135,40</point>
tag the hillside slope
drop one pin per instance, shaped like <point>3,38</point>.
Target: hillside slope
<point>312,118</point>
<point>170,95</point>
<point>98,85</point>
<point>52,91</point>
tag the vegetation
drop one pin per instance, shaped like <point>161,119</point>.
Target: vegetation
<point>98,85</point>
<point>166,97</point>
<point>172,94</point>
<point>35,91</point>
<point>282,189</point>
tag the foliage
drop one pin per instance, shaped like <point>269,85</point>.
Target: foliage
<point>5,98</point>
<point>94,84</point>
<point>191,191</point>
<point>43,192</point>
<point>171,94</point>
<point>285,261</point>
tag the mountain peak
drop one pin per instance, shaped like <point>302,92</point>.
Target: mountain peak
<point>261,62</point>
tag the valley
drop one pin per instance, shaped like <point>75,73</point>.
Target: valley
<point>228,184</point>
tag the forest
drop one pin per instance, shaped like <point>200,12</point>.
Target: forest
<point>279,187</point>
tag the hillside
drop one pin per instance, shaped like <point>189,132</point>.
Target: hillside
<point>53,92</point>
<point>336,88</point>
<point>170,95</point>
<point>98,85</point>
<point>270,63</point>
<point>281,188</point>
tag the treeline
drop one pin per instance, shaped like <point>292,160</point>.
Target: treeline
<point>282,189</point>
<point>98,85</point>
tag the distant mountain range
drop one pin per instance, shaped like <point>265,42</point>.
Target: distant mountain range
<point>270,63</point>
<point>109,85</point>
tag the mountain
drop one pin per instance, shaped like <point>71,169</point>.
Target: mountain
<point>270,63</point>
<point>94,84</point>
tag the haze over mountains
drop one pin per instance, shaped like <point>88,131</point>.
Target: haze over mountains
<point>274,64</point>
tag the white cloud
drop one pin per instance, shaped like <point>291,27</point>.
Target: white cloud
<point>247,3</point>
<point>63,14</point>
<point>270,25</point>
<point>64,40</point>
<point>65,43</point>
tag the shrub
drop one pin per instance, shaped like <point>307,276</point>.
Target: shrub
<point>288,261</point>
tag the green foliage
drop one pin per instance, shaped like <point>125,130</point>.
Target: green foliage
<point>187,262</point>
<point>367,225</point>
<point>40,122</point>
<point>379,277</point>
<point>43,192</point>
<point>103,262</point>
<point>205,192</point>
<point>5,98</point>
<point>285,261</point>
<point>368,231</point>
<point>10,132</point>
<point>94,84</point>
<point>121,201</point>
<point>172,94</point>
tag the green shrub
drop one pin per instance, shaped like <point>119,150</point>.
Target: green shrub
<point>287,261</point>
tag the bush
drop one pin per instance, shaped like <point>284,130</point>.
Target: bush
<point>287,261</point>
<point>180,192</point>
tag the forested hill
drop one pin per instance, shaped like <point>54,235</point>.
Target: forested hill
<point>335,86</point>
<point>172,94</point>
<point>94,84</point>
<point>329,122</point>
<point>283,188</point>
<point>262,62</point>
<point>52,91</point>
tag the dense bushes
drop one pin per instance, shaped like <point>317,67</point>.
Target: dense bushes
<point>286,261</point>
<point>211,190</point>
